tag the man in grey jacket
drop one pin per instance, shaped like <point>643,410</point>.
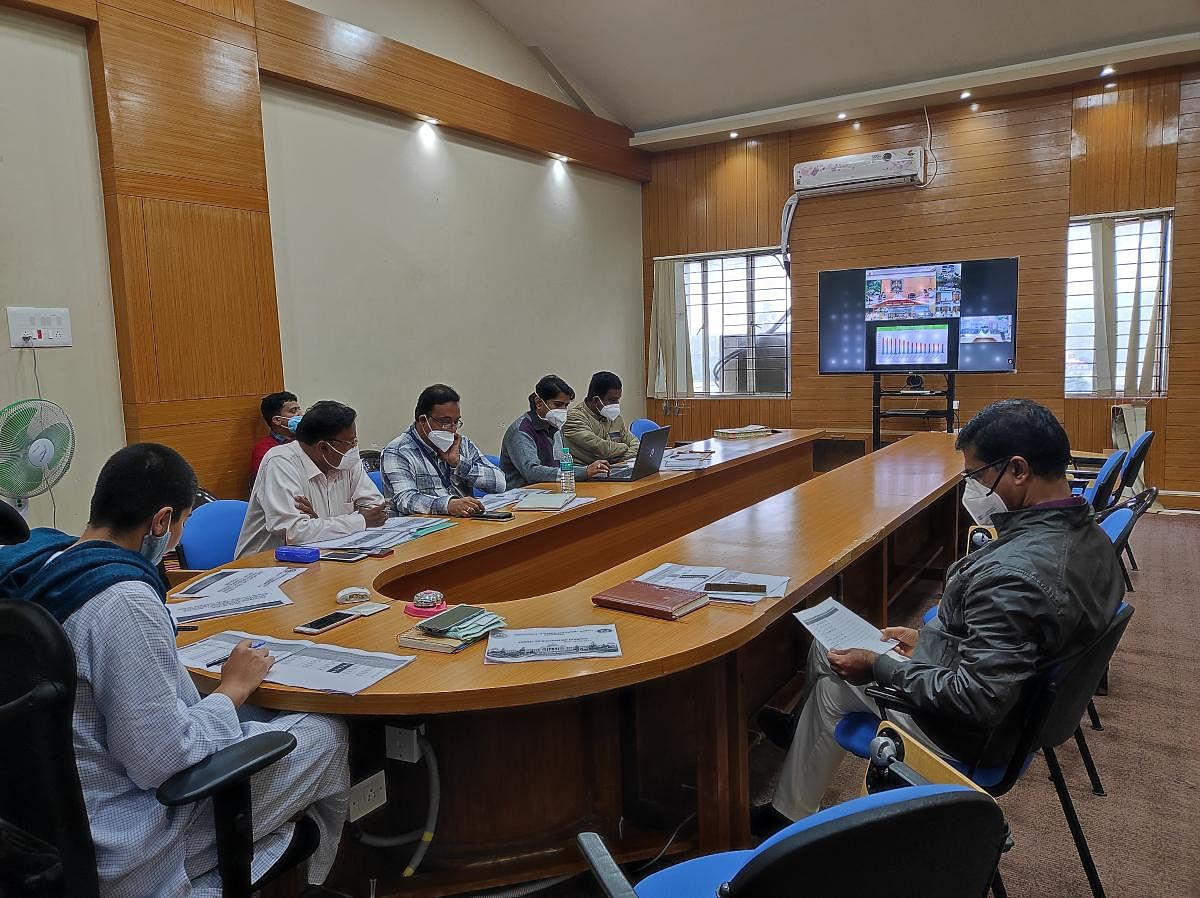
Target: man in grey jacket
<point>1046,587</point>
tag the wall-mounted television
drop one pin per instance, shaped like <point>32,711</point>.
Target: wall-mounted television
<point>944,316</point>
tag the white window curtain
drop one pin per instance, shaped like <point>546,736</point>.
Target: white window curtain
<point>669,362</point>
<point>1118,275</point>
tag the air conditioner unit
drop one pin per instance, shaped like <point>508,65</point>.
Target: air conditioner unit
<point>886,168</point>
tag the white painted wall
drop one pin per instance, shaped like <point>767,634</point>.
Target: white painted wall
<point>52,244</point>
<point>405,255</point>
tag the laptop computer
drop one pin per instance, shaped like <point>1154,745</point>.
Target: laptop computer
<point>649,458</point>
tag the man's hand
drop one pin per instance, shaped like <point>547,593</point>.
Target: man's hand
<point>305,507</point>
<point>374,515</point>
<point>451,455</point>
<point>852,665</point>
<point>597,467</point>
<point>244,671</point>
<point>906,636</point>
<point>464,508</point>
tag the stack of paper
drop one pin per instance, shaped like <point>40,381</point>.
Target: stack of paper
<point>498,501</point>
<point>684,576</point>
<point>687,459</point>
<point>837,627</point>
<point>232,591</point>
<point>552,644</point>
<point>300,663</point>
<point>394,532</point>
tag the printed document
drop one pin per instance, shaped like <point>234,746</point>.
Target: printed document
<point>499,501</point>
<point>239,582</point>
<point>837,627</point>
<point>394,532</point>
<point>210,606</point>
<point>552,644</point>
<point>686,576</point>
<point>302,663</point>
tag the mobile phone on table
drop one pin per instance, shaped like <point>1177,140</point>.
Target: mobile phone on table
<point>328,622</point>
<point>493,516</point>
<point>448,619</point>
<point>343,555</point>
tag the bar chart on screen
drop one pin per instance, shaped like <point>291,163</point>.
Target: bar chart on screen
<point>912,345</point>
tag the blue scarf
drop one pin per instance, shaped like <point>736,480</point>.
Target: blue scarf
<point>78,574</point>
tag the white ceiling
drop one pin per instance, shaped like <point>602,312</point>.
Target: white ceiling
<point>656,63</point>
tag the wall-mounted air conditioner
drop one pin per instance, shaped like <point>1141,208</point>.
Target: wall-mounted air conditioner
<point>886,168</point>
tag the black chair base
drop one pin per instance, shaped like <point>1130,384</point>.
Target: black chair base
<point>1081,845</point>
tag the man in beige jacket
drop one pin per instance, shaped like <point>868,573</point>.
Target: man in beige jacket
<point>594,429</point>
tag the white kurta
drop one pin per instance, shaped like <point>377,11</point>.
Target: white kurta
<point>139,720</point>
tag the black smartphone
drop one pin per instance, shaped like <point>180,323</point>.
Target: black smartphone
<point>328,622</point>
<point>440,623</point>
<point>493,516</point>
<point>343,555</point>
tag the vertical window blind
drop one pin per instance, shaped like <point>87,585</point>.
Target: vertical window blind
<point>738,314</point>
<point>1118,293</point>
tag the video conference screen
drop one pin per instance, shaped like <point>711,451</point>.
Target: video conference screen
<point>950,316</point>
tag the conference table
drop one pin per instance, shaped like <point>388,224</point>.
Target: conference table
<point>635,747</point>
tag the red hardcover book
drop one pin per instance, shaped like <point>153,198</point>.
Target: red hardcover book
<point>663,602</point>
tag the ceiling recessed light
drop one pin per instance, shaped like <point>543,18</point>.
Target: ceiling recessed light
<point>1110,85</point>
<point>974,107</point>
<point>732,134</point>
<point>857,125</point>
<point>965,95</point>
<point>1107,70</point>
<point>841,115</point>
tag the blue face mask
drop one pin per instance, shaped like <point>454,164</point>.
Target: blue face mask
<point>155,547</point>
<point>294,422</point>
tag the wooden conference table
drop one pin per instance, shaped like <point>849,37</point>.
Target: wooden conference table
<point>530,754</point>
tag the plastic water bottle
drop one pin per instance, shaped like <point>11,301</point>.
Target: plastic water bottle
<point>566,472</point>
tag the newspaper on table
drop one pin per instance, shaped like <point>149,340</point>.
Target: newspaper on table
<point>393,532</point>
<point>837,627</point>
<point>302,663</point>
<point>238,582</point>
<point>687,576</point>
<point>552,644</point>
<point>499,501</point>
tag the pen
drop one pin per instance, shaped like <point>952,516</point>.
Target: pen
<point>256,645</point>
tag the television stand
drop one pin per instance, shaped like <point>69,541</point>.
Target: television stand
<point>878,412</point>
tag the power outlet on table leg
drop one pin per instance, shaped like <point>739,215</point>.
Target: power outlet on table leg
<point>368,795</point>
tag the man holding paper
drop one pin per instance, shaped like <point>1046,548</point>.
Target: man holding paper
<point>1045,588</point>
<point>313,488</point>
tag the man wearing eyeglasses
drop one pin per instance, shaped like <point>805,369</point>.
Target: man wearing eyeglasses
<point>1046,588</point>
<point>312,488</point>
<point>433,468</point>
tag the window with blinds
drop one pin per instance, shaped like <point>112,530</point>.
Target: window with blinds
<point>1118,290</point>
<point>738,311</point>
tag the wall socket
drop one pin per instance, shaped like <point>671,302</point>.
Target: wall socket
<point>368,795</point>
<point>955,404</point>
<point>401,744</point>
<point>38,328</point>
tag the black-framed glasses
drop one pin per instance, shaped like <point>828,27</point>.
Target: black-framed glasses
<point>446,423</point>
<point>974,473</point>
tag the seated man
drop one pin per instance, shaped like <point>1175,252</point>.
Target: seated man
<point>532,447</point>
<point>594,429</point>
<point>432,468</point>
<point>278,410</point>
<point>313,488</point>
<point>1047,587</point>
<point>138,718</point>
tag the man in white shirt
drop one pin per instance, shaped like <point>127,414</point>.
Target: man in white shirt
<point>313,488</point>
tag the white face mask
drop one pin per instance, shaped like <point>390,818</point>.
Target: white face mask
<point>349,459</point>
<point>442,439</point>
<point>611,412</point>
<point>981,503</point>
<point>556,417</point>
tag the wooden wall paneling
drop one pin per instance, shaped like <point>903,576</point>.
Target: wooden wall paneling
<point>81,12</point>
<point>306,47</point>
<point>1123,144</point>
<point>1182,463</point>
<point>133,317</point>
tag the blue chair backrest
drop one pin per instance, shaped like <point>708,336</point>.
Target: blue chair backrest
<point>1100,490</point>
<point>643,425</point>
<point>947,839</point>
<point>1115,523</point>
<point>494,459</point>
<point>211,533</point>
<point>1133,463</point>
<point>377,479</point>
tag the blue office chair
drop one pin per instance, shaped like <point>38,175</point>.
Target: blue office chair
<point>946,839</point>
<point>1099,491</point>
<point>1053,704</point>
<point>1130,472</point>
<point>377,479</point>
<point>211,533</point>
<point>643,425</point>
<point>494,459</point>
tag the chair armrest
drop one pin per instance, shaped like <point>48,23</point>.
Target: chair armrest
<point>608,874</point>
<point>891,697</point>
<point>1076,474</point>
<point>225,768</point>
